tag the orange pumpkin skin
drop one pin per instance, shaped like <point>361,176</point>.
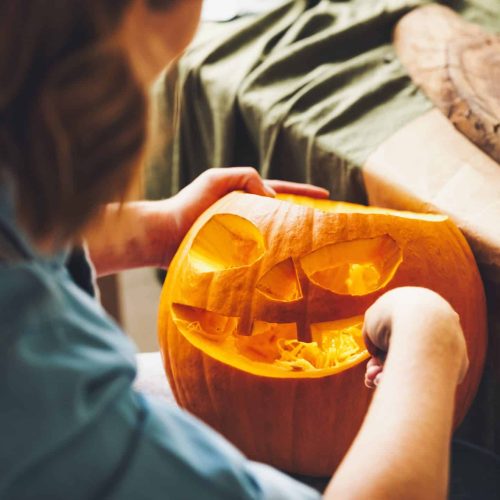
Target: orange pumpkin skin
<point>301,422</point>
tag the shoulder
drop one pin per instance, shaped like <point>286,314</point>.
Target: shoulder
<point>63,364</point>
<point>43,297</point>
<point>25,288</point>
<point>56,342</point>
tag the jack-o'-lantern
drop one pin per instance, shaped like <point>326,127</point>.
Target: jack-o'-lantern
<point>262,310</point>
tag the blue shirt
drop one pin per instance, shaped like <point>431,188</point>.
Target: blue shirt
<point>71,425</point>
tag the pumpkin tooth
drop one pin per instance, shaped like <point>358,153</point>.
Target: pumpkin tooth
<point>208,324</point>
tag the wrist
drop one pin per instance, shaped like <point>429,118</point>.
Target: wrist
<point>129,236</point>
<point>433,340</point>
<point>161,232</point>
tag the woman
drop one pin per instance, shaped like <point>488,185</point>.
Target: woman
<point>73,113</point>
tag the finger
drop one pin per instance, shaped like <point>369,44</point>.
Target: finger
<point>255,185</point>
<point>373,368</point>
<point>376,339</point>
<point>369,383</point>
<point>372,381</point>
<point>374,361</point>
<point>370,346</point>
<point>373,371</point>
<point>297,188</point>
<point>248,179</point>
<point>270,190</point>
<point>378,379</point>
<point>377,326</point>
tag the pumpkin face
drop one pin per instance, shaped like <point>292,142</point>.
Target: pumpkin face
<point>262,310</point>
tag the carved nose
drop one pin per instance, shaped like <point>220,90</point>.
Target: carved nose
<point>281,282</point>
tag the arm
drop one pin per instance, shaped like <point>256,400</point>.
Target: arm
<point>402,449</point>
<point>146,233</point>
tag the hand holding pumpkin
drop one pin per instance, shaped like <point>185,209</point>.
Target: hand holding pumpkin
<point>212,185</point>
<point>148,233</point>
<point>398,312</point>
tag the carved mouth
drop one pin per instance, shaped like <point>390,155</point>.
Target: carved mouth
<point>335,345</point>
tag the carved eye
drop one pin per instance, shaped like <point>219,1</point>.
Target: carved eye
<point>226,241</point>
<point>281,282</point>
<point>355,267</point>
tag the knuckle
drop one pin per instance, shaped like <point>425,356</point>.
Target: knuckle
<point>251,171</point>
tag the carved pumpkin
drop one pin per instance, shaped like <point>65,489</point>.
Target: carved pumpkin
<point>261,315</point>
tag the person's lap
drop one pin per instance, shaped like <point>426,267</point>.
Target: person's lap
<point>475,472</point>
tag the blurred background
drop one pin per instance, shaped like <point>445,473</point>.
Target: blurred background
<point>132,298</point>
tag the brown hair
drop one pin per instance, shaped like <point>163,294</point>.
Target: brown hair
<point>72,113</point>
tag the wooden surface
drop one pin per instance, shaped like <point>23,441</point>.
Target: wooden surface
<point>457,65</point>
<point>428,166</point>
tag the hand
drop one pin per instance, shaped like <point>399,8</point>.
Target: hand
<point>419,357</point>
<point>213,184</point>
<point>148,233</point>
<point>399,310</point>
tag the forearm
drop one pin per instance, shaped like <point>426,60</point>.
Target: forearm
<point>148,233</point>
<point>402,449</point>
<point>136,234</point>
